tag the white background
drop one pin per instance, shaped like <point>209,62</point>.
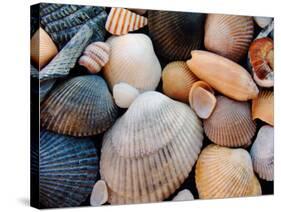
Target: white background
<point>14,101</point>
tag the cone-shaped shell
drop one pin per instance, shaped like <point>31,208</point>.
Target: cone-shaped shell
<point>261,60</point>
<point>133,61</point>
<point>150,150</point>
<point>42,48</point>
<point>95,56</point>
<point>99,194</point>
<point>175,34</point>
<point>184,195</point>
<point>263,107</point>
<point>81,106</point>
<point>230,124</point>
<point>177,80</point>
<point>263,21</point>
<point>223,172</point>
<point>228,35</point>
<point>68,169</point>
<point>120,21</point>
<point>223,75</point>
<point>124,94</point>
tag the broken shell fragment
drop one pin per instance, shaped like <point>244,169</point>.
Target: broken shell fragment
<point>124,94</point>
<point>184,195</point>
<point>99,194</point>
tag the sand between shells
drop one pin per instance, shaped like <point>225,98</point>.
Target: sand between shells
<point>145,106</point>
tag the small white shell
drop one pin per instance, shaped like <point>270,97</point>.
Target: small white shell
<point>99,194</point>
<point>184,195</point>
<point>124,94</point>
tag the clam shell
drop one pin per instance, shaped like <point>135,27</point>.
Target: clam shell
<point>68,169</point>
<point>133,61</point>
<point>262,22</point>
<point>99,194</point>
<point>262,153</point>
<point>81,106</point>
<point>95,56</point>
<point>124,94</point>
<point>261,61</point>
<point>177,80</point>
<point>223,172</point>
<point>120,21</point>
<point>230,124</point>
<point>171,33</point>
<point>228,35</point>
<point>263,107</point>
<point>42,48</point>
<point>184,195</point>
<point>150,150</point>
<point>223,75</point>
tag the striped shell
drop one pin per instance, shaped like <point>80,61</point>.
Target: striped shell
<point>81,106</point>
<point>230,124</point>
<point>223,172</point>
<point>150,150</point>
<point>68,169</point>
<point>229,35</point>
<point>120,21</point>
<point>223,75</point>
<point>42,48</point>
<point>262,22</point>
<point>133,61</point>
<point>95,56</point>
<point>171,33</point>
<point>124,94</point>
<point>177,80</point>
<point>263,107</point>
<point>184,195</point>
<point>262,153</point>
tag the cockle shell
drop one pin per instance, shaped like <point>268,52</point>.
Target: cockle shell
<point>223,75</point>
<point>263,21</point>
<point>99,194</point>
<point>223,172</point>
<point>133,61</point>
<point>184,195</point>
<point>42,48</point>
<point>230,124</point>
<point>263,107</point>
<point>261,60</point>
<point>175,34</point>
<point>120,21</point>
<point>177,80</point>
<point>95,56</point>
<point>150,150</point>
<point>68,169</point>
<point>81,106</point>
<point>262,153</point>
<point>228,35</point>
<point>202,99</point>
<point>124,94</point>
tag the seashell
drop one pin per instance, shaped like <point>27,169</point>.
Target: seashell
<point>133,61</point>
<point>138,11</point>
<point>223,172</point>
<point>99,194</point>
<point>42,48</point>
<point>124,94</point>
<point>263,107</point>
<point>120,21</point>
<point>261,61</point>
<point>177,80</point>
<point>230,124</point>
<point>68,169</point>
<point>95,56</point>
<point>171,33</point>
<point>202,99</point>
<point>150,150</point>
<point>81,106</point>
<point>228,35</point>
<point>262,153</point>
<point>222,74</point>
<point>184,195</point>
<point>262,22</point>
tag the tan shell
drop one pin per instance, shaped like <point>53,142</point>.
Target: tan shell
<point>202,99</point>
<point>133,61</point>
<point>95,56</point>
<point>184,195</point>
<point>223,172</point>
<point>177,80</point>
<point>228,35</point>
<point>150,150</point>
<point>230,124</point>
<point>120,21</point>
<point>124,94</point>
<point>263,21</point>
<point>42,48</point>
<point>99,194</point>
<point>223,75</point>
<point>263,107</point>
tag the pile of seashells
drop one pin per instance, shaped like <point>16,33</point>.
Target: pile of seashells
<point>143,106</point>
